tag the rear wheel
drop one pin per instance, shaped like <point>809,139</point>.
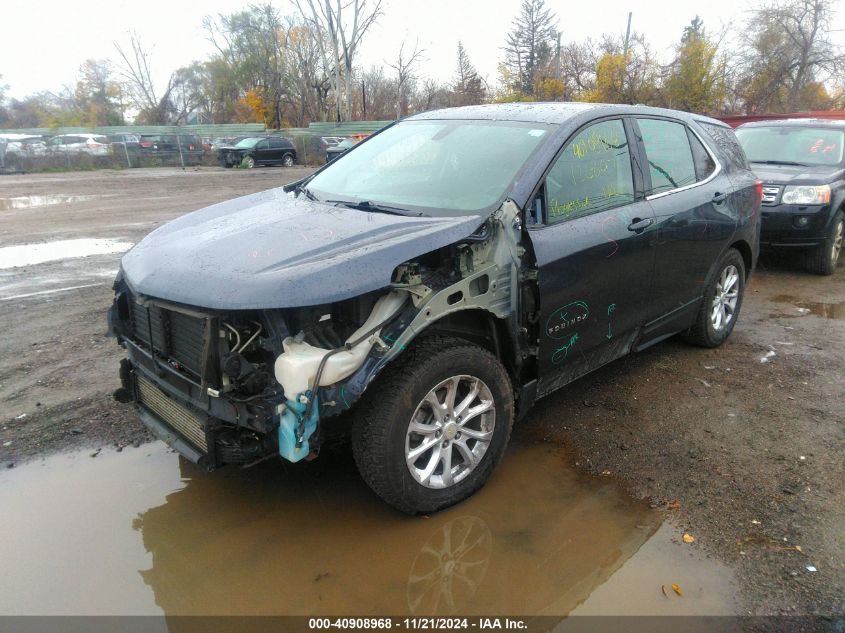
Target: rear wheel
<point>248,162</point>
<point>287,160</point>
<point>430,432</point>
<point>722,301</point>
<point>822,260</point>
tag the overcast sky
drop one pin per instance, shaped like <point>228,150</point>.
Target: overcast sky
<point>45,41</point>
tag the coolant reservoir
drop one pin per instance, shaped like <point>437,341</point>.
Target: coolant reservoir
<point>297,367</point>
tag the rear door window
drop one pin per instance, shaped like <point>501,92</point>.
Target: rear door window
<point>670,160</point>
<point>592,174</point>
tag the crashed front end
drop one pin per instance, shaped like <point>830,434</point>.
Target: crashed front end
<point>230,156</point>
<point>246,380</point>
<point>234,387</point>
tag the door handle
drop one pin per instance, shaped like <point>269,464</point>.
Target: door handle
<point>638,225</point>
<point>719,198</point>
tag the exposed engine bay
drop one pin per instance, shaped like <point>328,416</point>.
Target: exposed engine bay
<point>241,386</point>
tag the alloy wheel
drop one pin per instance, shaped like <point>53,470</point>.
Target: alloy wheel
<point>450,431</point>
<point>836,248</point>
<point>725,299</point>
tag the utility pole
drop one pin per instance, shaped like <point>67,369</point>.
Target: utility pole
<point>557,56</point>
<point>627,35</point>
<point>625,55</point>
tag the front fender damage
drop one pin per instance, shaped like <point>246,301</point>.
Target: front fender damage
<point>480,273</point>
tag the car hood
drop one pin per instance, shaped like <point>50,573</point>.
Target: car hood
<point>232,147</point>
<point>268,250</point>
<point>797,174</point>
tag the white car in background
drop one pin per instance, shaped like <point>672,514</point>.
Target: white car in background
<point>91,144</point>
<point>15,149</point>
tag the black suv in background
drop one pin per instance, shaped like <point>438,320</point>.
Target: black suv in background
<point>258,150</point>
<point>802,165</point>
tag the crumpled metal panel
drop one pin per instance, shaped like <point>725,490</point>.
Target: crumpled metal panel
<point>268,250</point>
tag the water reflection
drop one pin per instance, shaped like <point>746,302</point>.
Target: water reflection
<point>450,566</point>
<point>143,532</point>
<point>816,308</point>
<point>28,202</point>
<point>314,540</point>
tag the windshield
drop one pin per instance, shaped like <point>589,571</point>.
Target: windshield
<point>803,145</point>
<point>248,142</point>
<point>439,167</point>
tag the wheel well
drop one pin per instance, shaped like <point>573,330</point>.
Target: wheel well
<point>481,328</point>
<point>744,250</point>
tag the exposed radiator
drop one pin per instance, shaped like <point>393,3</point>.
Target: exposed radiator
<point>179,417</point>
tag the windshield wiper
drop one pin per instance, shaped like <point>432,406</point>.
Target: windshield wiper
<point>302,189</point>
<point>779,162</point>
<point>373,207</point>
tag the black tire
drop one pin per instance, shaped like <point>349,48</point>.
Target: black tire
<point>704,333</point>
<point>287,160</point>
<point>385,413</point>
<point>248,162</point>
<point>822,260</point>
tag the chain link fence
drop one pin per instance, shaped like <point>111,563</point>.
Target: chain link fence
<point>73,149</point>
<point>86,152</point>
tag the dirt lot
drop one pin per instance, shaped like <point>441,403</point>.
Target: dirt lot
<point>744,445</point>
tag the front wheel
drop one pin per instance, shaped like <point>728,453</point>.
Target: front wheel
<point>248,162</point>
<point>822,260</point>
<point>722,300</point>
<point>430,431</point>
<point>287,160</point>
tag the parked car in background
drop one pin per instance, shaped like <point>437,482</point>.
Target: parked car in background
<point>333,151</point>
<point>220,141</point>
<point>125,144</point>
<point>451,270</point>
<point>90,144</point>
<point>802,165</point>
<point>173,148</point>
<point>258,150</point>
<point>125,137</point>
<point>16,150</point>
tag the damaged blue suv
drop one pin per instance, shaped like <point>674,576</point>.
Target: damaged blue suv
<point>433,282</point>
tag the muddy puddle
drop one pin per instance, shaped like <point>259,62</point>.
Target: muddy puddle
<point>815,308</point>
<point>144,532</point>
<point>29,202</point>
<point>39,253</point>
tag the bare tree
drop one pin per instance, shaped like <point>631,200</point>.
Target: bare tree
<point>331,20</point>
<point>404,67</point>
<point>578,67</point>
<point>790,53</point>
<point>136,72</point>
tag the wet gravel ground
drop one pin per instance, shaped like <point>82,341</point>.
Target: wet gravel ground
<point>743,445</point>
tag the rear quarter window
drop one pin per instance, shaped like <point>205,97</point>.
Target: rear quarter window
<point>725,139</point>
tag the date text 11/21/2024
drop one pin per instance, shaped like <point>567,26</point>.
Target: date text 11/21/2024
<point>418,623</point>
